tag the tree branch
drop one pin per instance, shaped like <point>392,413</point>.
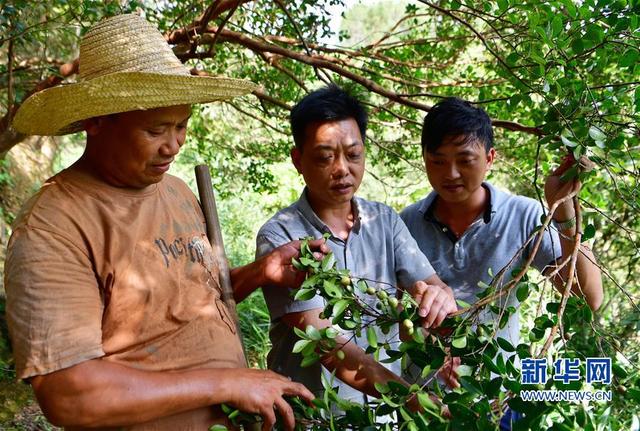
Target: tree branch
<point>8,135</point>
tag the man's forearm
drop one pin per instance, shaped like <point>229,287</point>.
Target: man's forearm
<point>588,274</point>
<point>101,393</point>
<point>358,369</point>
<point>247,278</point>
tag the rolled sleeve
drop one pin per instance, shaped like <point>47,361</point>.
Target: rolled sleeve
<point>54,306</point>
<point>280,300</point>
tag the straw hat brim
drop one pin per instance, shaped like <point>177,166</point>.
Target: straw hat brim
<point>60,110</point>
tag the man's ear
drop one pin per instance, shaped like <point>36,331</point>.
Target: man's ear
<point>491,156</point>
<point>296,156</point>
<point>93,125</point>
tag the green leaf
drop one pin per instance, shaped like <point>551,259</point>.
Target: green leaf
<point>331,289</point>
<point>310,360</point>
<point>557,25</point>
<point>594,33</point>
<point>425,371</point>
<point>589,232</point>
<point>488,362</point>
<point>462,304</point>
<point>381,387</point>
<point>505,345</point>
<point>218,428</point>
<point>512,59</point>
<point>426,402</point>
<point>597,134</point>
<point>362,286</point>
<point>338,310</point>
<point>297,265</point>
<point>372,337</point>
<point>398,388</point>
<point>618,371</point>
<point>567,141</point>
<point>306,261</point>
<point>300,345</point>
<point>300,333</point>
<point>522,292</point>
<point>464,370</point>
<point>459,343</point>
<point>553,307</point>
<point>313,333</point>
<point>629,58</point>
<point>304,294</point>
<point>330,333</point>
<point>328,262</point>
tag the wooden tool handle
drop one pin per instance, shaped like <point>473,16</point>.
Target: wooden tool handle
<point>208,203</point>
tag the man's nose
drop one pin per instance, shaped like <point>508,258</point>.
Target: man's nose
<point>340,168</point>
<point>452,171</point>
<point>171,147</point>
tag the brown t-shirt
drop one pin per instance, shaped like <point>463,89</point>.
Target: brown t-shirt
<point>95,271</point>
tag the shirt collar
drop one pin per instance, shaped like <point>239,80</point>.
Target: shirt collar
<point>429,203</point>
<point>307,212</point>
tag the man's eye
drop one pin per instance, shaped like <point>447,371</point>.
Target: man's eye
<point>437,162</point>
<point>155,132</point>
<point>466,161</point>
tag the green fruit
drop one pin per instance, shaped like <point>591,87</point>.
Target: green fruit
<point>407,324</point>
<point>393,301</point>
<point>345,280</point>
<point>340,354</point>
<point>382,294</point>
<point>371,290</point>
<point>410,331</point>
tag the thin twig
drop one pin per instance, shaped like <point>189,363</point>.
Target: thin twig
<point>10,76</point>
<point>504,290</point>
<point>569,285</point>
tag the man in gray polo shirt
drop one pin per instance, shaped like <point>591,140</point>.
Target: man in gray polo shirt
<point>469,229</point>
<point>366,237</point>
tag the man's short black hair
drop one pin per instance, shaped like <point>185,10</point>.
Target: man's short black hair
<point>330,103</point>
<point>455,117</point>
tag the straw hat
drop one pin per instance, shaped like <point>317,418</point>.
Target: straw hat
<point>125,65</point>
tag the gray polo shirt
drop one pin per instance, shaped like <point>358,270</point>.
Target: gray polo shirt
<point>379,247</point>
<point>489,243</point>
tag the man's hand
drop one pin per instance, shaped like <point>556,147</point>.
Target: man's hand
<point>555,189</point>
<point>278,270</point>
<point>448,372</point>
<point>262,392</point>
<point>434,303</point>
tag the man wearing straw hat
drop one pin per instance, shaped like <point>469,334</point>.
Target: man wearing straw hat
<point>113,300</point>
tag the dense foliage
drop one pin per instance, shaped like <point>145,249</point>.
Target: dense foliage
<point>556,77</point>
